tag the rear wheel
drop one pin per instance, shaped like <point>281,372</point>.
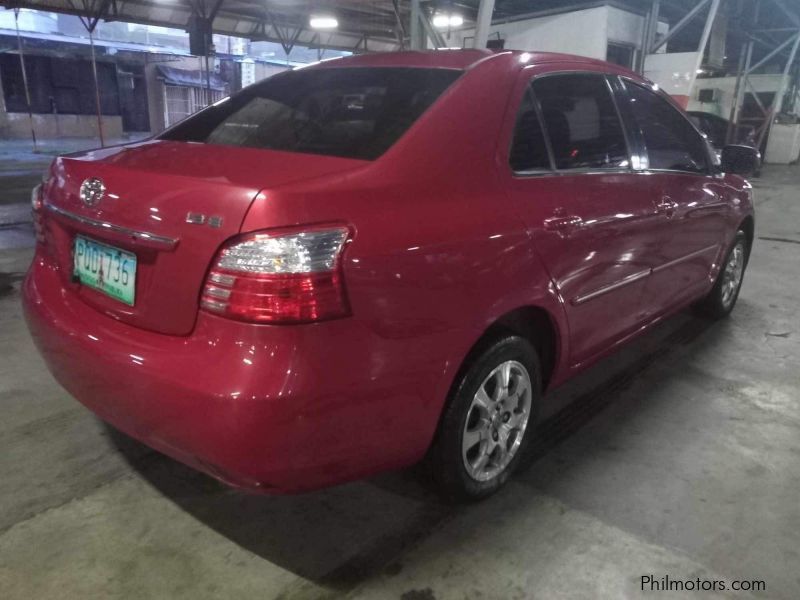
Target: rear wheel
<point>722,297</point>
<point>486,426</point>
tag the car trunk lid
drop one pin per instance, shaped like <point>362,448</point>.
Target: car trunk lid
<point>172,204</point>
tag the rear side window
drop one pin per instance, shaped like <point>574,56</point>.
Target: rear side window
<point>528,149</point>
<point>581,122</point>
<point>672,143</point>
<point>349,112</point>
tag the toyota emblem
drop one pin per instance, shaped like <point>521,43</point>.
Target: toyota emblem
<point>92,191</point>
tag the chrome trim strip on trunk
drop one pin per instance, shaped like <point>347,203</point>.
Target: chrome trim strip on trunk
<point>611,287</point>
<point>143,238</point>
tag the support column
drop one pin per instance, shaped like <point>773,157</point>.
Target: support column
<point>417,38</point>
<point>484,23</point>
<point>208,81</point>
<point>777,103</point>
<point>97,91</point>
<point>203,14</point>
<point>650,28</point>
<point>95,10</point>
<point>790,61</point>
<point>701,47</point>
<point>431,33</point>
<point>745,56</point>
<point>25,79</point>
<point>400,29</point>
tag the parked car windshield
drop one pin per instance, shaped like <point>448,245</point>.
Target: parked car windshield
<point>348,112</point>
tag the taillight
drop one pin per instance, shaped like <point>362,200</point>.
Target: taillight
<point>279,276</point>
<point>37,203</point>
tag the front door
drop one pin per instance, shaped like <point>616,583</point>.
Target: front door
<point>690,197</point>
<point>592,221</point>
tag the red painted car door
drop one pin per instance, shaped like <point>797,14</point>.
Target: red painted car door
<point>690,197</point>
<point>591,219</point>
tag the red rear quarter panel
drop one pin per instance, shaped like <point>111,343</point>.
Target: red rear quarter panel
<point>437,252</point>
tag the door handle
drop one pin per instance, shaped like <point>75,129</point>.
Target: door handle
<point>667,207</point>
<point>563,225</point>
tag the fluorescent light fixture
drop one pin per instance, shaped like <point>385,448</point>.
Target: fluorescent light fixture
<point>323,22</point>
<point>443,20</point>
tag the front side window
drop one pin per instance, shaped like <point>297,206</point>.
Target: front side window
<point>348,112</point>
<point>671,141</point>
<point>581,122</point>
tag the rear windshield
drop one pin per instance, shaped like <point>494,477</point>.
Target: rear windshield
<point>348,112</point>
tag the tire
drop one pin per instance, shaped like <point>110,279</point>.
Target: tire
<point>722,298</point>
<point>486,427</point>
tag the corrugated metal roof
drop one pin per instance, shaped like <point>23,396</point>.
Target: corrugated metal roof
<point>66,39</point>
<point>57,39</point>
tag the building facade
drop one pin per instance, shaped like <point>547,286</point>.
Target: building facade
<point>147,78</point>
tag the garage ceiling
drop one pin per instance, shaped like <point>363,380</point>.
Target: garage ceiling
<point>364,25</point>
<point>374,25</point>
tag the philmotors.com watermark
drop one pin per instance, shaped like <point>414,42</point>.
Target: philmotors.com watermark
<point>665,583</point>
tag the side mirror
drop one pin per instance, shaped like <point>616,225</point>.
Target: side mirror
<point>741,160</point>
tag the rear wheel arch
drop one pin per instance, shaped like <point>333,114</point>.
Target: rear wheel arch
<point>532,323</point>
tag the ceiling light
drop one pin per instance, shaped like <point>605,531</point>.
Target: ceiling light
<point>443,20</point>
<point>323,22</point>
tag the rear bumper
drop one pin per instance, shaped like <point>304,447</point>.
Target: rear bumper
<point>267,408</point>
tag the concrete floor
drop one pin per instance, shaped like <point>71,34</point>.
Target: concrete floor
<point>679,456</point>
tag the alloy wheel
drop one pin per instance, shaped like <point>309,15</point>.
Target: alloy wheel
<point>732,275</point>
<point>496,421</point>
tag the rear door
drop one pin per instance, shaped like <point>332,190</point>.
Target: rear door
<point>592,221</point>
<point>690,197</point>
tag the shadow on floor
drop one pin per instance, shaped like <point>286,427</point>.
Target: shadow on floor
<point>7,281</point>
<point>341,536</point>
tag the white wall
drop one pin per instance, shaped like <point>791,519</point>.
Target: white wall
<point>673,72</point>
<point>582,32</point>
<point>17,126</point>
<point>625,27</point>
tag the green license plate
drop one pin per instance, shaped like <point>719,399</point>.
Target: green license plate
<point>105,268</point>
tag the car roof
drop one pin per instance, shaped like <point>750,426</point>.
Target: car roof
<point>460,59</point>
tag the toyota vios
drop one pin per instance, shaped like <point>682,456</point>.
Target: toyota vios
<point>348,267</point>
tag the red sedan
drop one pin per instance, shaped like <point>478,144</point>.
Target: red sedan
<point>348,267</point>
